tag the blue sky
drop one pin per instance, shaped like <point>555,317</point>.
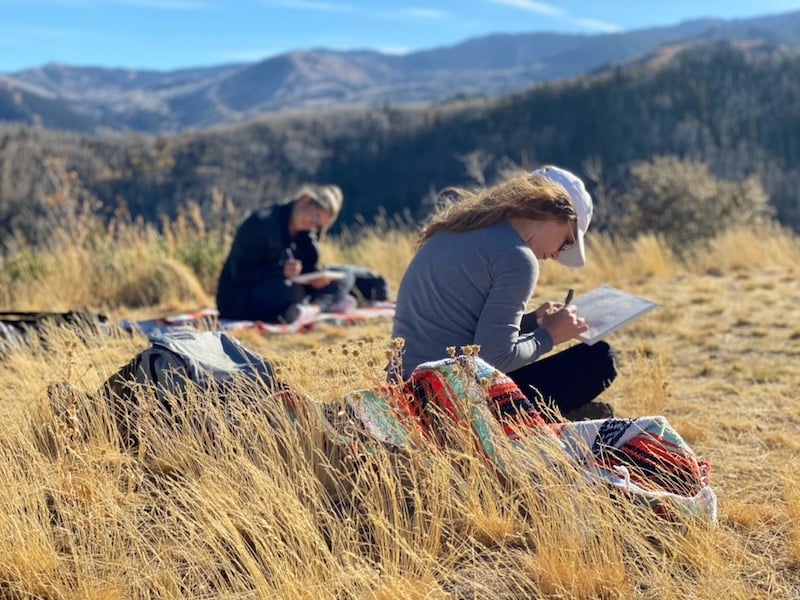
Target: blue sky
<point>170,34</point>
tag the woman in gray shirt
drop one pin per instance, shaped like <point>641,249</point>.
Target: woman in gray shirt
<point>475,270</point>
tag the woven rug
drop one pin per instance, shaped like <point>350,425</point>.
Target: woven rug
<point>643,457</point>
<point>207,318</point>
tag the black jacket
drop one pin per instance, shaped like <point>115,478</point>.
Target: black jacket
<point>258,254</point>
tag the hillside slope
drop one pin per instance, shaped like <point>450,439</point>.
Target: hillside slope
<point>89,98</point>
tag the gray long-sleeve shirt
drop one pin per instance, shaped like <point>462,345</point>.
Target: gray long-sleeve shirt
<point>469,288</point>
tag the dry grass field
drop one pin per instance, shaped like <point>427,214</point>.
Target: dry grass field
<point>269,511</point>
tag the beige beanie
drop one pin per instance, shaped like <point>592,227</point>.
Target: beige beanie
<point>329,197</point>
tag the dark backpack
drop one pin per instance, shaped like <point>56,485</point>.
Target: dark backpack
<point>370,285</point>
<point>177,362</point>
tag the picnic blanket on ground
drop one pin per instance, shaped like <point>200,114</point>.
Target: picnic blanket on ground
<point>643,457</point>
<point>17,327</point>
<point>207,318</point>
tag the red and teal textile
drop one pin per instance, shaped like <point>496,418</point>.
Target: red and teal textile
<point>644,457</point>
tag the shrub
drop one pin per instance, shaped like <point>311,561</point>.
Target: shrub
<point>682,201</point>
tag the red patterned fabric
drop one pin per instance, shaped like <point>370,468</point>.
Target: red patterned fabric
<point>643,457</point>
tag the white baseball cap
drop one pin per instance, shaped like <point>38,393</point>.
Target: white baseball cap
<point>575,256</point>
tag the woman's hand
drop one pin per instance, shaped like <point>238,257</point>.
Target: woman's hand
<point>546,308</point>
<point>291,268</point>
<point>562,324</point>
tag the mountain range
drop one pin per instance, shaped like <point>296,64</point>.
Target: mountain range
<point>96,100</point>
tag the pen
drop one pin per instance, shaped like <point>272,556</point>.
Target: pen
<point>568,299</point>
<point>289,254</point>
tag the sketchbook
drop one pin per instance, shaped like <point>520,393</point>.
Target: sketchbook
<point>607,308</point>
<point>309,277</point>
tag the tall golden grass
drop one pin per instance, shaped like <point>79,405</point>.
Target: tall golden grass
<point>271,510</point>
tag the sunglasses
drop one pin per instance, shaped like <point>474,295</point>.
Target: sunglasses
<point>569,242</point>
<point>315,213</point>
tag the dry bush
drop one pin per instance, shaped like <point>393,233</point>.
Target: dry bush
<point>247,513</point>
<point>740,248</point>
<point>125,266</point>
<point>271,509</point>
<point>616,261</point>
<point>132,266</point>
<point>682,201</point>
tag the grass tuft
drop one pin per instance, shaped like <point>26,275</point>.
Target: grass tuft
<point>272,509</point>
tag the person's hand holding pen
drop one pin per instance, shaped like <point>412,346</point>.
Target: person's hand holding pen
<point>562,322</point>
<point>568,299</point>
<point>291,266</point>
<point>550,306</point>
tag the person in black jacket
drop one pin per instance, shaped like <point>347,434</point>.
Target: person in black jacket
<point>272,246</point>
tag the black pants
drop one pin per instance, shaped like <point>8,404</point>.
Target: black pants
<point>277,300</point>
<point>568,379</point>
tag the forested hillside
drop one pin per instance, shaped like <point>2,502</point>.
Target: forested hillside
<point>735,109</point>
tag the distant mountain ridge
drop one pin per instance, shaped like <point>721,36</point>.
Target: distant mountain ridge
<point>92,99</point>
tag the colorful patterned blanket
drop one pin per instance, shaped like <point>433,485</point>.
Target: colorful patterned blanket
<point>207,318</point>
<point>644,457</point>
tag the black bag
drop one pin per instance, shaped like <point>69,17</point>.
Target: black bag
<point>176,362</point>
<point>370,286</point>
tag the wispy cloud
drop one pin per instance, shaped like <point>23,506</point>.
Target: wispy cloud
<point>411,13</point>
<point>595,25</point>
<point>311,5</point>
<point>541,8</point>
<point>424,13</point>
